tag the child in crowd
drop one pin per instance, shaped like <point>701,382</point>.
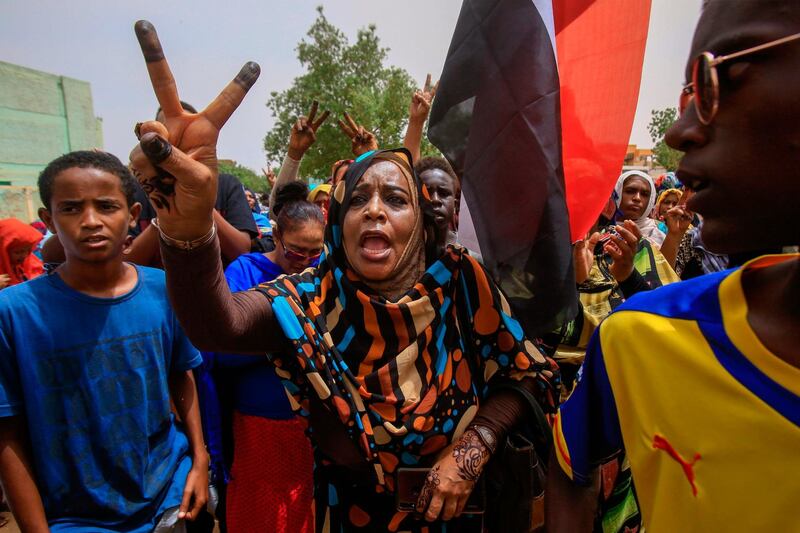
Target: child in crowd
<point>17,262</point>
<point>90,356</point>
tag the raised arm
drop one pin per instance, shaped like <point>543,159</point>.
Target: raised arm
<point>176,163</point>
<point>303,136</point>
<point>678,220</point>
<point>418,111</point>
<point>362,140</point>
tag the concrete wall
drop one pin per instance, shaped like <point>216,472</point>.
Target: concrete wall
<point>42,116</point>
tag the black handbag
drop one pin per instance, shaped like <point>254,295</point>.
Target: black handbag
<point>515,478</point>
<point>515,475</point>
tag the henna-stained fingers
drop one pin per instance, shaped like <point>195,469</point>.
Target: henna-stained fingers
<point>450,508</point>
<point>429,501</point>
<point>160,74</point>
<point>223,106</point>
<point>159,185</point>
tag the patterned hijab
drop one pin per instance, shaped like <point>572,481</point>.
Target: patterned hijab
<point>404,376</point>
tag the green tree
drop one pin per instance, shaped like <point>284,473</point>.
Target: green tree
<point>660,121</point>
<point>342,77</point>
<point>249,179</point>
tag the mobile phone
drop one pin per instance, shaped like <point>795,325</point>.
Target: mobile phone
<point>409,486</point>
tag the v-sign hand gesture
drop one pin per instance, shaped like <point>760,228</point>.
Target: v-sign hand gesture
<point>422,100</point>
<point>304,132</point>
<point>269,174</point>
<point>176,162</point>
<point>362,139</point>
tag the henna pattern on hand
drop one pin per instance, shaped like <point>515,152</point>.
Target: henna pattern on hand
<point>431,482</point>
<point>470,454</point>
<point>160,189</point>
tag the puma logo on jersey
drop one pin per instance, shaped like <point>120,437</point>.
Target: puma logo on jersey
<point>661,443</point>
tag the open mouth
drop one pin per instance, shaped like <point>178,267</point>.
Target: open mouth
<point>375,245</point>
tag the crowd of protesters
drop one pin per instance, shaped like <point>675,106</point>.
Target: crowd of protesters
<point>177,351</point>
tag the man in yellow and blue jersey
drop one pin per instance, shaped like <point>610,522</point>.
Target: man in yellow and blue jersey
<point>699,382</point>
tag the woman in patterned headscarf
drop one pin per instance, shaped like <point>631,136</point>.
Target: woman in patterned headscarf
<point>399,354</point>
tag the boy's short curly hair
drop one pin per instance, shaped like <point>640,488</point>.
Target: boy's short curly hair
<point>86,159</point>
<point>437,163</point>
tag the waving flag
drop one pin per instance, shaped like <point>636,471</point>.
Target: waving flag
<point>534,111</point>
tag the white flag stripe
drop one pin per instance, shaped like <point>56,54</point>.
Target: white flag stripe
<point>545,9</point>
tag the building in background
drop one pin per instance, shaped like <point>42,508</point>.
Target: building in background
<point>639,158</point>
<point>42,116</point>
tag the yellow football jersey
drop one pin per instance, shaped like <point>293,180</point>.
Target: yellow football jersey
<point>708,417</point>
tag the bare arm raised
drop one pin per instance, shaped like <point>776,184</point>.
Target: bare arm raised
<point>176,163</point>
<point>418,111</point>
<point>302,137</point>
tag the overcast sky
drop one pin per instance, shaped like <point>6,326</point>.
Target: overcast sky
<point>207,41</point>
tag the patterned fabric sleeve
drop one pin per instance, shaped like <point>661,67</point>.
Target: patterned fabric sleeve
<point>685,253</point>
<point>500,348</point>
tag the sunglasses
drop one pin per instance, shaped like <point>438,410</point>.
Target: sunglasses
<point>703,90</point>
<point>298,257</point>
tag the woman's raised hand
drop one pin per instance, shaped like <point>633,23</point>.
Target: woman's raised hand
<point>176,161</point>
<point>622,248</point>
<point>583,256</point>
<point>269,173</point>
<point>362,139</point>
<point>678,219</point>
<point>304,132</point>
<point>421,101</point>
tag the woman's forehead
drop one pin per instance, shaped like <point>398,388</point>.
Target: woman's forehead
<point>384,173</point>
<point>636,181</point>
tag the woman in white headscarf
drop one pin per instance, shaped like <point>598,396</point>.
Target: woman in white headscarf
<point>635,196</point>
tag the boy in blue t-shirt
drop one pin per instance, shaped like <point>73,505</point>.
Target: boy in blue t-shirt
<point>90,356</point>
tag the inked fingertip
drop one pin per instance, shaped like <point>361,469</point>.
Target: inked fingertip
<point>148,41</point>
<point>143,27</point>
<point>156,148</point>
<point>248,74</point>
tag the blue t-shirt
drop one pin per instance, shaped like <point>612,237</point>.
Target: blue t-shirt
<point>258,391</point>
<point>90,376</point>
<point>262,222</point>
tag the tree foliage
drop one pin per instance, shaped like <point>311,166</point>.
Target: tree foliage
<point>249,179</point>
<point>342,77</point>
<point>660,121</point>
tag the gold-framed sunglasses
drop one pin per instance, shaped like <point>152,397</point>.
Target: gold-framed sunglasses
<point>703,89</point>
